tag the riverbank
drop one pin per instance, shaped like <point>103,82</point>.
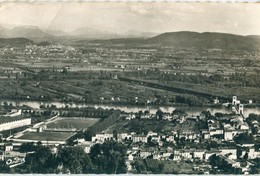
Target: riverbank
<point>191,110</point>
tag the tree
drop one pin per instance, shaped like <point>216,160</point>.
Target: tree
<point>27,147</point>
<point>65,71</point>
<point>244,138</point>
<point>239,152</point>
<point>39,143</point>
<point>159,114</point>
<point>4,168</point>
<point>245,156</point>
<point>87,166</point>
<point>87,135</point>
<point>161,167</point>
<point>74,159</point>
<point>207,114</point>
<point>109,157</point>
<point>139,166</point>
<point>212,144</point>
<point>219,114</point>
<point>5,104</point>
<point>41,161</point>
<point>221,164</point>
<point>95,150</point>
<point>178,112</point>
<point>256,168</point>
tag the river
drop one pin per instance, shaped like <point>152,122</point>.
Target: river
<point>152,109</point>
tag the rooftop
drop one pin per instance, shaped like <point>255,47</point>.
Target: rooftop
<point>5,119</point>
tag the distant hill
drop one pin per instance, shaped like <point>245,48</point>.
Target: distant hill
<point>10,42</point>
<point>206,40</point>
<point>44,43</point>
<point>55,32</point>
<point>253,36</point>
<point>120,41</point>
<point>37,34</point>
<point>90,33</point>
<point>29,32</point>
<point>138,34</point>
<point>186,39</point>
<point>183,39</point>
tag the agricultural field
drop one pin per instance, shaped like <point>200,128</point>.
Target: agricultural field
<point>47,136</point>
<point>218,89</point>
<point>73,122</point>
<point>100,74</point>
<point>112,91</point>
<point>23,90</point>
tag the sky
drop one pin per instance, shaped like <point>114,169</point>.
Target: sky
<point>120,17</point>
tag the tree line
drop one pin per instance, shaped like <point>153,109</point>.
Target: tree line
<point>106,158</point>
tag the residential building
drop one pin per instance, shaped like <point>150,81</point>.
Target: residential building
<point>199,154</point>
<point>140,138</point>
<point>229,152</point>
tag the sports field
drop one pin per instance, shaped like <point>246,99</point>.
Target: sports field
<point>47,136</point>
<point>73,122</point>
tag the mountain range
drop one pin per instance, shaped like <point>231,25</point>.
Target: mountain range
<point>10,42</point>
<point>183,39</point>
<point>207,40</point>
<point>186,39</point>
<point>29,32</point>
<point>35,33</point>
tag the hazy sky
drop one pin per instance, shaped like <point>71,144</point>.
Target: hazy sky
<point>119,17</point>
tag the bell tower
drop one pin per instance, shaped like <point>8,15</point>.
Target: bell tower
<point>241,109</point>
<point>234,101</point>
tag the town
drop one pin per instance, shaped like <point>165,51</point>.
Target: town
<point>159,142</point>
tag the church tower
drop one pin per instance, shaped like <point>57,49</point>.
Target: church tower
<point>241,109</point>
<point>234,101</point>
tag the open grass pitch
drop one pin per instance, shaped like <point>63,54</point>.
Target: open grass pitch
<point>73,122</point>
<point>47,136</point>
